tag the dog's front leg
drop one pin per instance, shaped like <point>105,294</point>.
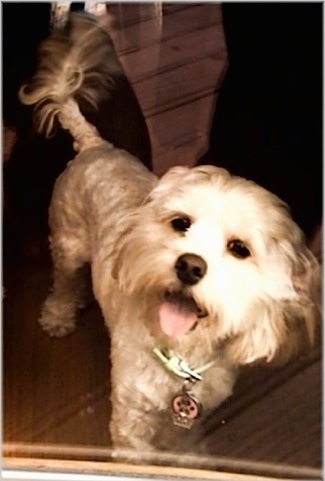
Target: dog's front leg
<point>144,430</point>
<point>132,426</point>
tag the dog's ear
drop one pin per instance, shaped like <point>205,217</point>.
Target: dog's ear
<point>181,177</point>
<point>278,328</point>
<point>168,182</point>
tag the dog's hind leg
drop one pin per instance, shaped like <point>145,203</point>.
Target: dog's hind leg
<point>58,316</point>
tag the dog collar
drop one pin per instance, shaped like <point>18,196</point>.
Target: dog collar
<point>185,407</point>
<point>176,365</point>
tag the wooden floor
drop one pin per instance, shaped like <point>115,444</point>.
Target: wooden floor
<point>56,392</point>
<point>174,59</point>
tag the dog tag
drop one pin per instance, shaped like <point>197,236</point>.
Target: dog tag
<point>185,410</point>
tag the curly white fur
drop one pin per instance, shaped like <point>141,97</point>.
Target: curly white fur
<point>257,300</point>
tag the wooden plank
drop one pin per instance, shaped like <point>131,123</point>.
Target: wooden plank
<point>130,36</point>
<point>91,460</point>
<point>176,69</point>
<point>192,120</point>
<point>156,59</point>
<point>116,470</point>
<point>180,87</point>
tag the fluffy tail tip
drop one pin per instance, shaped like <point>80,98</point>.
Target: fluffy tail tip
<point>79,63</point>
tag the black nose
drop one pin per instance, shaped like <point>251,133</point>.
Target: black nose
<point>190,268</point>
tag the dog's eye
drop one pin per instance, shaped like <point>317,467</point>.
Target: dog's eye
<point>181,224</point>
<point>238,249</point>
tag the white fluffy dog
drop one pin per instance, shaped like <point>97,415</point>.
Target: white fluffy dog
<point>196,273</point>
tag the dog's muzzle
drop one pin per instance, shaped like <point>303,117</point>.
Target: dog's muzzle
<point>179,312</point>
<point>190,269</point>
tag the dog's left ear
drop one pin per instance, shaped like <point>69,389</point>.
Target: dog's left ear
<point>278,329</point>
<point>170,180</point>
<point>181,177</point>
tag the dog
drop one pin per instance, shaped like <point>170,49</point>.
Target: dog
<point>196,273</point>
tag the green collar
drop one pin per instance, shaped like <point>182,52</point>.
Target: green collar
<point>174,364</point>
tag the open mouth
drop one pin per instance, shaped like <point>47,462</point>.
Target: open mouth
<point>179,313</point>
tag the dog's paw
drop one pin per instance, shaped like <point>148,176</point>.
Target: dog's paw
<point>55,327</point>
<point>56,322</point>
<point>58,316</point>
<point>130,456</point>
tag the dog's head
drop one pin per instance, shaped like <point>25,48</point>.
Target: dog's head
<point>218,257</point>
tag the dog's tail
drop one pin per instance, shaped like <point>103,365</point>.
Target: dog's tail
<point>76,66</point>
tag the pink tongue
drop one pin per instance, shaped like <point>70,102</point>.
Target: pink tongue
<point>175,321</point>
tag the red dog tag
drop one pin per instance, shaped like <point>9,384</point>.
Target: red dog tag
<point>185,410</point>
